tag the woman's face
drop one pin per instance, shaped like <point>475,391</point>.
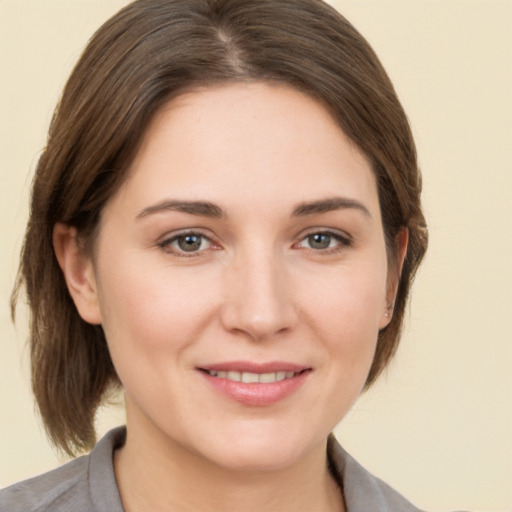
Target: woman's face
<point>246,245</point>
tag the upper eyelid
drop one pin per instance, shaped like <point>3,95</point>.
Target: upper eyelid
<point>343,241</point>
<point>187,231</point>
<point>166,244</point>
<point>326,231</point>
<point>170,237</point>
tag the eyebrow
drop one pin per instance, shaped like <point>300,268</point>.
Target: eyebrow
<point>208,209</point>
<point>329,205</point>
<point>202,208</point>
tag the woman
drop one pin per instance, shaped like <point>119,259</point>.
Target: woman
<point>225,222</point>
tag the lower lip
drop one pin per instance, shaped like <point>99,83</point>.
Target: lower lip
<point>257,394</point>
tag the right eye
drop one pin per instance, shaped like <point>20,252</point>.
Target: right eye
<point>186,244</point>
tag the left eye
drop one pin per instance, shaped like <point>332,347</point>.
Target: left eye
<point>322,241</point>
<point>188,243</point>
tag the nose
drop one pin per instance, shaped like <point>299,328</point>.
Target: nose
<point>259,299</point>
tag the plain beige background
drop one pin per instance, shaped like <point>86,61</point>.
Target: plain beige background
<point>438,426</point>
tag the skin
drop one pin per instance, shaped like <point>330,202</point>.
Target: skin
<point>258,288</point>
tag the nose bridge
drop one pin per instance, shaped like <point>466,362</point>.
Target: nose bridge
<point>259,302</point>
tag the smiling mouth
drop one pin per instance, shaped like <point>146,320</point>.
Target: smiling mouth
<point>253,378</point>
<point>256,384</point>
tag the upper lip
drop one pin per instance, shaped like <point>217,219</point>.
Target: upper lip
<point>255,367</point>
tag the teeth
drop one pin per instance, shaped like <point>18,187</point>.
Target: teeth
<point>267,377</point>
<point>249,377</point>
<point>236,376</point>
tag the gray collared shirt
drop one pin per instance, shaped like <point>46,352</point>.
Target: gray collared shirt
<point>88,484</point>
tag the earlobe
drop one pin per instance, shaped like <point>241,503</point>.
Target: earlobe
<point>78,271</point>
<point>402,241</point>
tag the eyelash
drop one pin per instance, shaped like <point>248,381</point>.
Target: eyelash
<point>166,244</point>
<point>343,241</point>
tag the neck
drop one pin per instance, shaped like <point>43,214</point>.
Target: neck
<point>155,474</point>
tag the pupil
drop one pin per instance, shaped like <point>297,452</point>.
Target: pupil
<point>189,243</point>
<point>319,241</point>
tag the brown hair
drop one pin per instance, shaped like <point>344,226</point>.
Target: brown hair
<point>146,54</point>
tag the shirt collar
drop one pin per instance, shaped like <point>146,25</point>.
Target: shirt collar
<point>362,491</point>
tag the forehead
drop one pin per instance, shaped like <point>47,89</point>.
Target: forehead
<point>244,138</point>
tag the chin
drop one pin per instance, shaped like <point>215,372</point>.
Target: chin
<point>261,449</point>
<point>254,459</point>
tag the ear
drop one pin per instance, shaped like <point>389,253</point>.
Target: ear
<point>78,270</point>
<point>394,273</point>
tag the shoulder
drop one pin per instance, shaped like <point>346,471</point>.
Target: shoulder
<point>362,490</point>
<point>75,486</point>
<point>50,491</point>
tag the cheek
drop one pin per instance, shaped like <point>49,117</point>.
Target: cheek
<point>349,300</point>
<point>150,310</point>
<point>345,311</point>
<point>343,317</point>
